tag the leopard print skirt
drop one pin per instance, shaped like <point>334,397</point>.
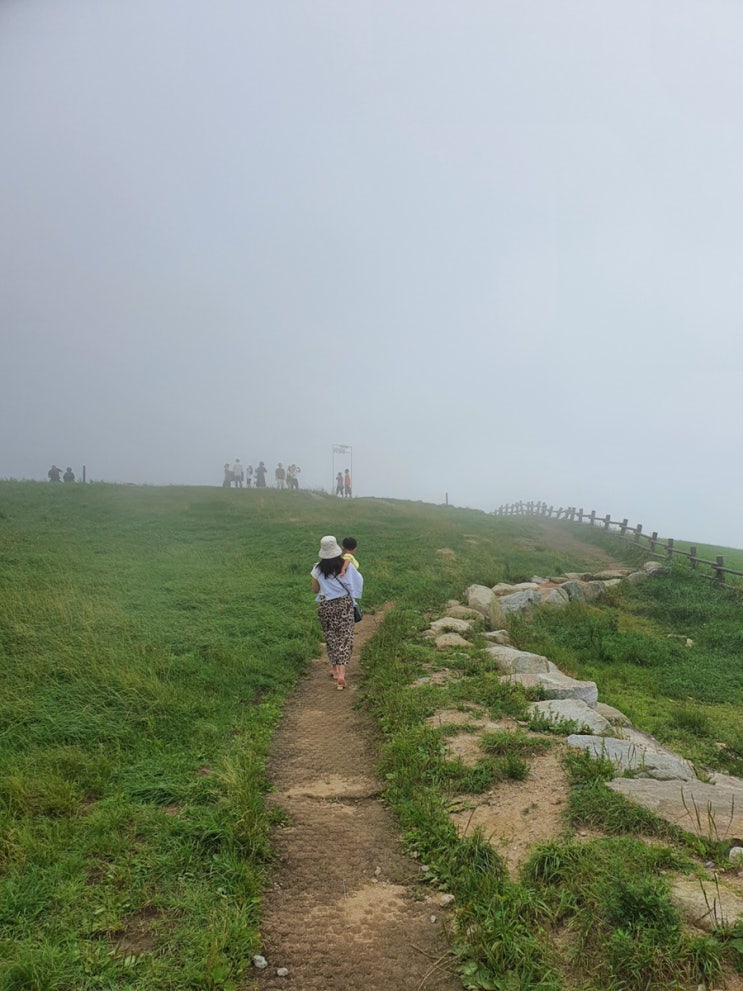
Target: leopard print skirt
<point>336,620</point>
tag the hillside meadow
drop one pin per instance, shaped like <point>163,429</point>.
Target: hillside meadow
<point>149,637</point>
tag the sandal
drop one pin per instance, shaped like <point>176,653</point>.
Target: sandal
<point>340,686</point>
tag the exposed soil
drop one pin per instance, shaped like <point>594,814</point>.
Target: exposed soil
<point>347,909</point>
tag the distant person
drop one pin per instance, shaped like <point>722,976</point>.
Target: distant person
<point>292,482</point>
<point>335,597</point>
<point>237,474</point>
<point>249,476</point>
<point>260,476</point>
<point>55,474</point>
<point>280,476</point>
<point>69,475</point>
<point>339,484</point>
<point>227,480</point>
<point>347,484</point>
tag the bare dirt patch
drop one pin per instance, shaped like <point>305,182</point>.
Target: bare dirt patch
<point>347,909</point>
<point>516,816</point>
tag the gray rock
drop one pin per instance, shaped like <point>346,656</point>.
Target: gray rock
<point>645,762</point>
<point>557,685</point>
<point>459,611</point>
<point>512,661</point>
<point>282,971</point>
<point>707,903</point>
<point>636,577</point>
<point>615,717</point>
<point>714,811</point>
<point>479,598</point>
<point>571,710</point>
<point>260,962</point>
<point>574,589</point>
<point>537,580</point>
<point>655,568</point>
<point>554,597</point>
<point>496,616</point>
<point>451,623</point>
<point>498,636</point>
<point>594,590</point>
<point>735,855</point>
<point>447,641</point>
<point>518,601</point>
<point>616,575</point>
<point>502,588</point>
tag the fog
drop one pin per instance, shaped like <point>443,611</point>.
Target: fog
<point>494,247</point>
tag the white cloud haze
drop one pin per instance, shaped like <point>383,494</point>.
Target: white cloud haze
<point>495,246</point>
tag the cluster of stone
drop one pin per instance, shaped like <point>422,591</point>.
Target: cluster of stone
<point>646,772</point>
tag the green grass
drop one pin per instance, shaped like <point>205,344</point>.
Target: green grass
<point>148,640</point>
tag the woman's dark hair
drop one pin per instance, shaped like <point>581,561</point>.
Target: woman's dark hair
<point>330,566</point>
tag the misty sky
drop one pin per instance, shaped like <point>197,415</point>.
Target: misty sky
<point>496,247</point>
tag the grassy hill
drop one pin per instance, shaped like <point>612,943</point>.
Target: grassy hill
<point>148,638</point>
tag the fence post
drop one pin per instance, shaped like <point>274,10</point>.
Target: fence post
<point>719,574</point>
<point>623,527</point>
<point>638,533</point>
<point>593,517</point>
<point>653,541</point>
<point>669,547</point>
<point>693,557</point>
<point>607,521</point>
<point>580,515</point>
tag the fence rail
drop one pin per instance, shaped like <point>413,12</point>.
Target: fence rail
<point>635,533</point>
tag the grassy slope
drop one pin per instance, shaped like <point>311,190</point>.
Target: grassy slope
<point>148,637</point>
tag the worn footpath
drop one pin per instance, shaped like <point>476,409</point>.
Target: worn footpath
<point>346,909</point>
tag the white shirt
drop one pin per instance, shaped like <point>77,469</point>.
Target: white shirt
<point>352,583</point>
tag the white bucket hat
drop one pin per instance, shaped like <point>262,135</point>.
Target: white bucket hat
<point>329,548</point>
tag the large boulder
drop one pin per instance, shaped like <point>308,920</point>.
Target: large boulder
<point>498,636</point>
<point>451,641</point>
<point>594,590</point>
<point>518,601</point>
<point>644,761</point>
<point>707,903</point>
<point>513,661</point>
<point>496,615</point>
<point>575,711</point>
<point>615,717</point>
<point>655,568</point>
<point>458,611</point>
<point>479,597</point>
<point>451,623</point>
<point>714,811</point>
<point>554,597</point>
<point>557,685</point>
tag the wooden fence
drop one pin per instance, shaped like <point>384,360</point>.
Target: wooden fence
<point>651,542</point>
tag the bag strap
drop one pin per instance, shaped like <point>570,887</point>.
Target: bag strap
<point>343,585</point>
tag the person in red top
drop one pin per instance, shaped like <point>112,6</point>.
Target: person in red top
<point>347,483</point>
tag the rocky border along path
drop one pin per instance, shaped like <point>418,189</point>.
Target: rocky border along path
<point>346,910</point>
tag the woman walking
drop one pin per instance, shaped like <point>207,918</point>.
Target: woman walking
<point>335,597</point>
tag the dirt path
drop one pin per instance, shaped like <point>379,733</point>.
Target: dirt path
<point>346,911</point>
